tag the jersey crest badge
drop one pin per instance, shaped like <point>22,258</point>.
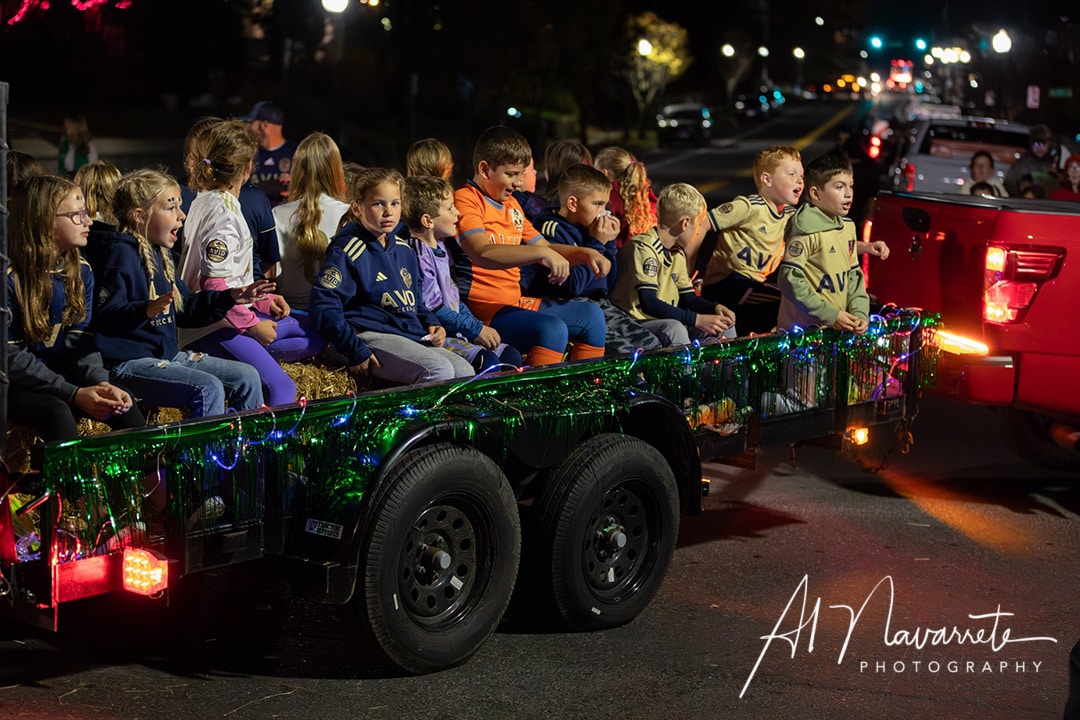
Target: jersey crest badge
<point>406,277</point>
<point>794,248</point>
<point>651,267</point>
<point>330,278</point>
<point>517,218</point>
<point>217,251</point>
<point>726,208</point>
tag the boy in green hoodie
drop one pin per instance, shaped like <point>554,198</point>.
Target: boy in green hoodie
<point>821,281</point>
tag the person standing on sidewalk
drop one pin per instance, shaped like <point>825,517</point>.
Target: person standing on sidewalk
<point>273,166</point>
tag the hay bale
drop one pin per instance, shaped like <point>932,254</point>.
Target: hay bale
<point>319,378</point>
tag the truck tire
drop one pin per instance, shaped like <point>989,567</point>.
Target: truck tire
<point>605,531</point>
<point>440,557</point>
<point>1030,433</point>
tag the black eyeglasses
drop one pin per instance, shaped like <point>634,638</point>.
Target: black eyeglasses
<point>79,217</point>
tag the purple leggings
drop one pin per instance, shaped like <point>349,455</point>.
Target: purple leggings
<point>294,342</point>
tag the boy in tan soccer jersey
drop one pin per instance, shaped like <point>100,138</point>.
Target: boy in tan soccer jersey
<point>820,279</point>
<point>751,241</point>
<point>653,285</point>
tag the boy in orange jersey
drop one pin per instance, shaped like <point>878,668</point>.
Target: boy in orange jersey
<point>495,240</point>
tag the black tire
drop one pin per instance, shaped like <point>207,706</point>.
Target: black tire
<point>1030,434</point>
<point>440,556</point>
<point>606,527</point>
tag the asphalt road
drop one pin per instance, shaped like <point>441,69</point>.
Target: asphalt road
<point>959,527</point>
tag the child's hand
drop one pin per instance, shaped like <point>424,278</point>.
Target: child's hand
<point>102,401</point>
<point>861,325</point>
<point>847,321</point>
<point>254,292</point>
<point>713,324</point>
<point>365,367</point>
<point>724,312</point>
<point>878,247</point>
<point>159,304</point>
<point>488,338</point>
<point>279,307</point>
<point>600,265</point>
<point>438,335</point>
<point>558,267</point>
<point>605,228</point>
<point>264,332</point>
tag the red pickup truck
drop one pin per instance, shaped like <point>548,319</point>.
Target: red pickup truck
<point>1004,273</point>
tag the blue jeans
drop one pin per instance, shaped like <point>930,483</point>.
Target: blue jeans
<point>192,380</point>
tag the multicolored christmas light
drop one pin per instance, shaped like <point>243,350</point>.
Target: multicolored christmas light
<point>316,460</point>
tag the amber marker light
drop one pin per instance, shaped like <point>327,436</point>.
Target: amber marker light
<point>958,344</point>
<point>859,435</point>
<point>145,572</point>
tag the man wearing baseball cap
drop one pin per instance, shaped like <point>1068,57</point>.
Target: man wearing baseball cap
<point>273,166</point>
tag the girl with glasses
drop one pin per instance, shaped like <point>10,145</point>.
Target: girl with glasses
<point>56,372</point>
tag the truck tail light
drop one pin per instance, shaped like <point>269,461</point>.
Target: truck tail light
<point>145,572</point>
<point>907,177</point>
<point>1012,279</point>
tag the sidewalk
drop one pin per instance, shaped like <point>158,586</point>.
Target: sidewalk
<point>125,153</point>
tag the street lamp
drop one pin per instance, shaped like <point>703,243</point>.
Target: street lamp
<point>335,6</point>
<point>1002,44</point>
<point>800,55</point>
<point>727,50</point>
<point>644,47</point>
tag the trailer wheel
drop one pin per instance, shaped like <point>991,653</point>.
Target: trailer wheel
<point>1030,433</point>
<point>607,525</point>
<point>440,557</point>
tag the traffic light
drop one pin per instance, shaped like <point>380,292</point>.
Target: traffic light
<point>920,44</point>
<point>876,42</point>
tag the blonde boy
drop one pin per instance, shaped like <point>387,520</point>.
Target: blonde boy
<point>751,241</point>
<point>653,284</point>
<point>820,279</point>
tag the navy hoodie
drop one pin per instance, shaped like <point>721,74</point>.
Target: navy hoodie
<point>123,294</point>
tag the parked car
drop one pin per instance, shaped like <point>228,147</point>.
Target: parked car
<point>684,122</point>
<point>935,153</point>
<point>760,101</point>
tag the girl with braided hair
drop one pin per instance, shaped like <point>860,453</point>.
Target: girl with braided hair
<point>141,302</point>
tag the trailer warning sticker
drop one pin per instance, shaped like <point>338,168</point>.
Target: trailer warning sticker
<point>325,529</point>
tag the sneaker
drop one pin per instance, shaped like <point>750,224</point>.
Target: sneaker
<point>211,509</point>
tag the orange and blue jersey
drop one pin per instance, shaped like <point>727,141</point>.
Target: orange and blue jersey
<point>484,290</point>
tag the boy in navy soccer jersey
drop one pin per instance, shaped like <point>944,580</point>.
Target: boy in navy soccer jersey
<point>582,220</point>
<point>367,301</point>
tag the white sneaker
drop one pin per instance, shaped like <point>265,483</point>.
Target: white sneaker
<point>211,509</point>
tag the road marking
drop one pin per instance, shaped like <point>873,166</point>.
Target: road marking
<point>804,142</point>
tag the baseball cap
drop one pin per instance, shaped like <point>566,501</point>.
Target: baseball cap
<point>267,112</point>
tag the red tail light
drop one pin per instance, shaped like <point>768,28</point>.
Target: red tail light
<point>1012,280</point>
<point>908,177</point>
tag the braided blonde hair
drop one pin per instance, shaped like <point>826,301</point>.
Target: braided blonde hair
<point>139,190</point>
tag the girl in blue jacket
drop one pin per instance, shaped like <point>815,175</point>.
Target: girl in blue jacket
<point>141,302</point>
